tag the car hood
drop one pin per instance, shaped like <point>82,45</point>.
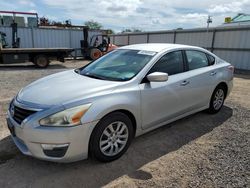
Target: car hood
<point>63,87</point>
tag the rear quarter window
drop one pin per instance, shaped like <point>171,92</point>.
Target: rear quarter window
<point>211,59</point>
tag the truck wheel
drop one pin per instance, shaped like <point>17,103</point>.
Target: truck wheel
<point>95,53</point>
<point>41,61</point>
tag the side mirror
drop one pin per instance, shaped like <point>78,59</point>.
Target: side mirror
<point>157,77</point>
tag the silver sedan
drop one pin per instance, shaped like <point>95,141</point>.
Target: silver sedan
<point>98,109</point>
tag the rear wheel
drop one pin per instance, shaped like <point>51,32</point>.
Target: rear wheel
<point>95,53</point>
<point>111,137</point>
<point>41,61</point>
<point>217,100</point>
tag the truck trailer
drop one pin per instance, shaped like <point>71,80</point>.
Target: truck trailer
<point>39,56</point>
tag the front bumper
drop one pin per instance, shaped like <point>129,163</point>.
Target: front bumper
<point>36,140</point>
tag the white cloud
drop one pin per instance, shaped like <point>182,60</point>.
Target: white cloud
<point>142,14</point>
<point>198,18</point>
<point>235,6</point>
<point>29,3</point>
<point>32,11</point>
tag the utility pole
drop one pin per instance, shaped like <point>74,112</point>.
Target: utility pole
<point>209,20</point>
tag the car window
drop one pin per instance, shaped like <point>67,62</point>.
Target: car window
<point>171,63</point>
<point>118,65</point>
<point>196,59</point>
<point>211,59</point>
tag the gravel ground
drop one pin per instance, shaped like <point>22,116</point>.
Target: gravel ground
<point>198,151</point>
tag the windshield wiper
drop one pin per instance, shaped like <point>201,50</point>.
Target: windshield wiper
<point>94,76</point>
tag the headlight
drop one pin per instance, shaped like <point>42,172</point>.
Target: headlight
<point>68,117</point>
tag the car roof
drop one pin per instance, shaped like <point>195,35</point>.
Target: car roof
<point>156,47</point>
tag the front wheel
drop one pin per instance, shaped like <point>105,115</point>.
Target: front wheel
<point>111,137</point>
<point>95,53</point>
<point>217,100</point>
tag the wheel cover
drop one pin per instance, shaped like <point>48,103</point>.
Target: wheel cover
<point>41,61</point>
<point>218,99</point>
<point>114,138</point>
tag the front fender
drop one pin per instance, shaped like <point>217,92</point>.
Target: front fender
<point>104,105</point>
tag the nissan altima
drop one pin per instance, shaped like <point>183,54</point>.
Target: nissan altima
<point>97,110</point>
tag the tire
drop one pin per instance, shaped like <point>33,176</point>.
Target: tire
<point>217,100</point>
<point>95,53</point>
<point>41,61</point>
<point>108,148</point>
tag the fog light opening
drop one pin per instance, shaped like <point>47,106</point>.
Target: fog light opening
<point>55,150</point>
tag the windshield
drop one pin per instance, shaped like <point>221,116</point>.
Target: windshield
<point>119,65</point>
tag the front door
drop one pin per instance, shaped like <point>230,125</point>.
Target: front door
<point>162,101</point>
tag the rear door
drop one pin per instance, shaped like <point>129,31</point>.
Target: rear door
<point>201,77</point>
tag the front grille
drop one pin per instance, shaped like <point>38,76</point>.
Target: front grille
<point>20,114</point>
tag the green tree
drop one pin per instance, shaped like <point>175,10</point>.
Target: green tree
<point>133,30</point>
<point>93,24</point>
<point>137,30</point>
<point>126,31</point>
<point>110,31</point>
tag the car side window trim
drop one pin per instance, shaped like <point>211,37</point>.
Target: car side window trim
<point>185,62</point>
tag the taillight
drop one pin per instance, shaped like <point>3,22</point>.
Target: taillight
<point>231,68</point>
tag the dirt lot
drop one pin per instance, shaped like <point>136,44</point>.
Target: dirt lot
<point>198,151</point>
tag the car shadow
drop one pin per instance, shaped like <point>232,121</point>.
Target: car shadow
<point>29,172</point>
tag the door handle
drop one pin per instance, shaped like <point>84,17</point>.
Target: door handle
<point>185,82</point>
<point>213,73</point>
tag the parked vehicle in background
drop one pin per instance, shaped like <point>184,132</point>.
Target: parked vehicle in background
<point>98,109</point>
<point>39,56</point>
<point>96,46</point>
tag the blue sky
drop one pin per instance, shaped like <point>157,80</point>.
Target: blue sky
<point>147,15</point>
